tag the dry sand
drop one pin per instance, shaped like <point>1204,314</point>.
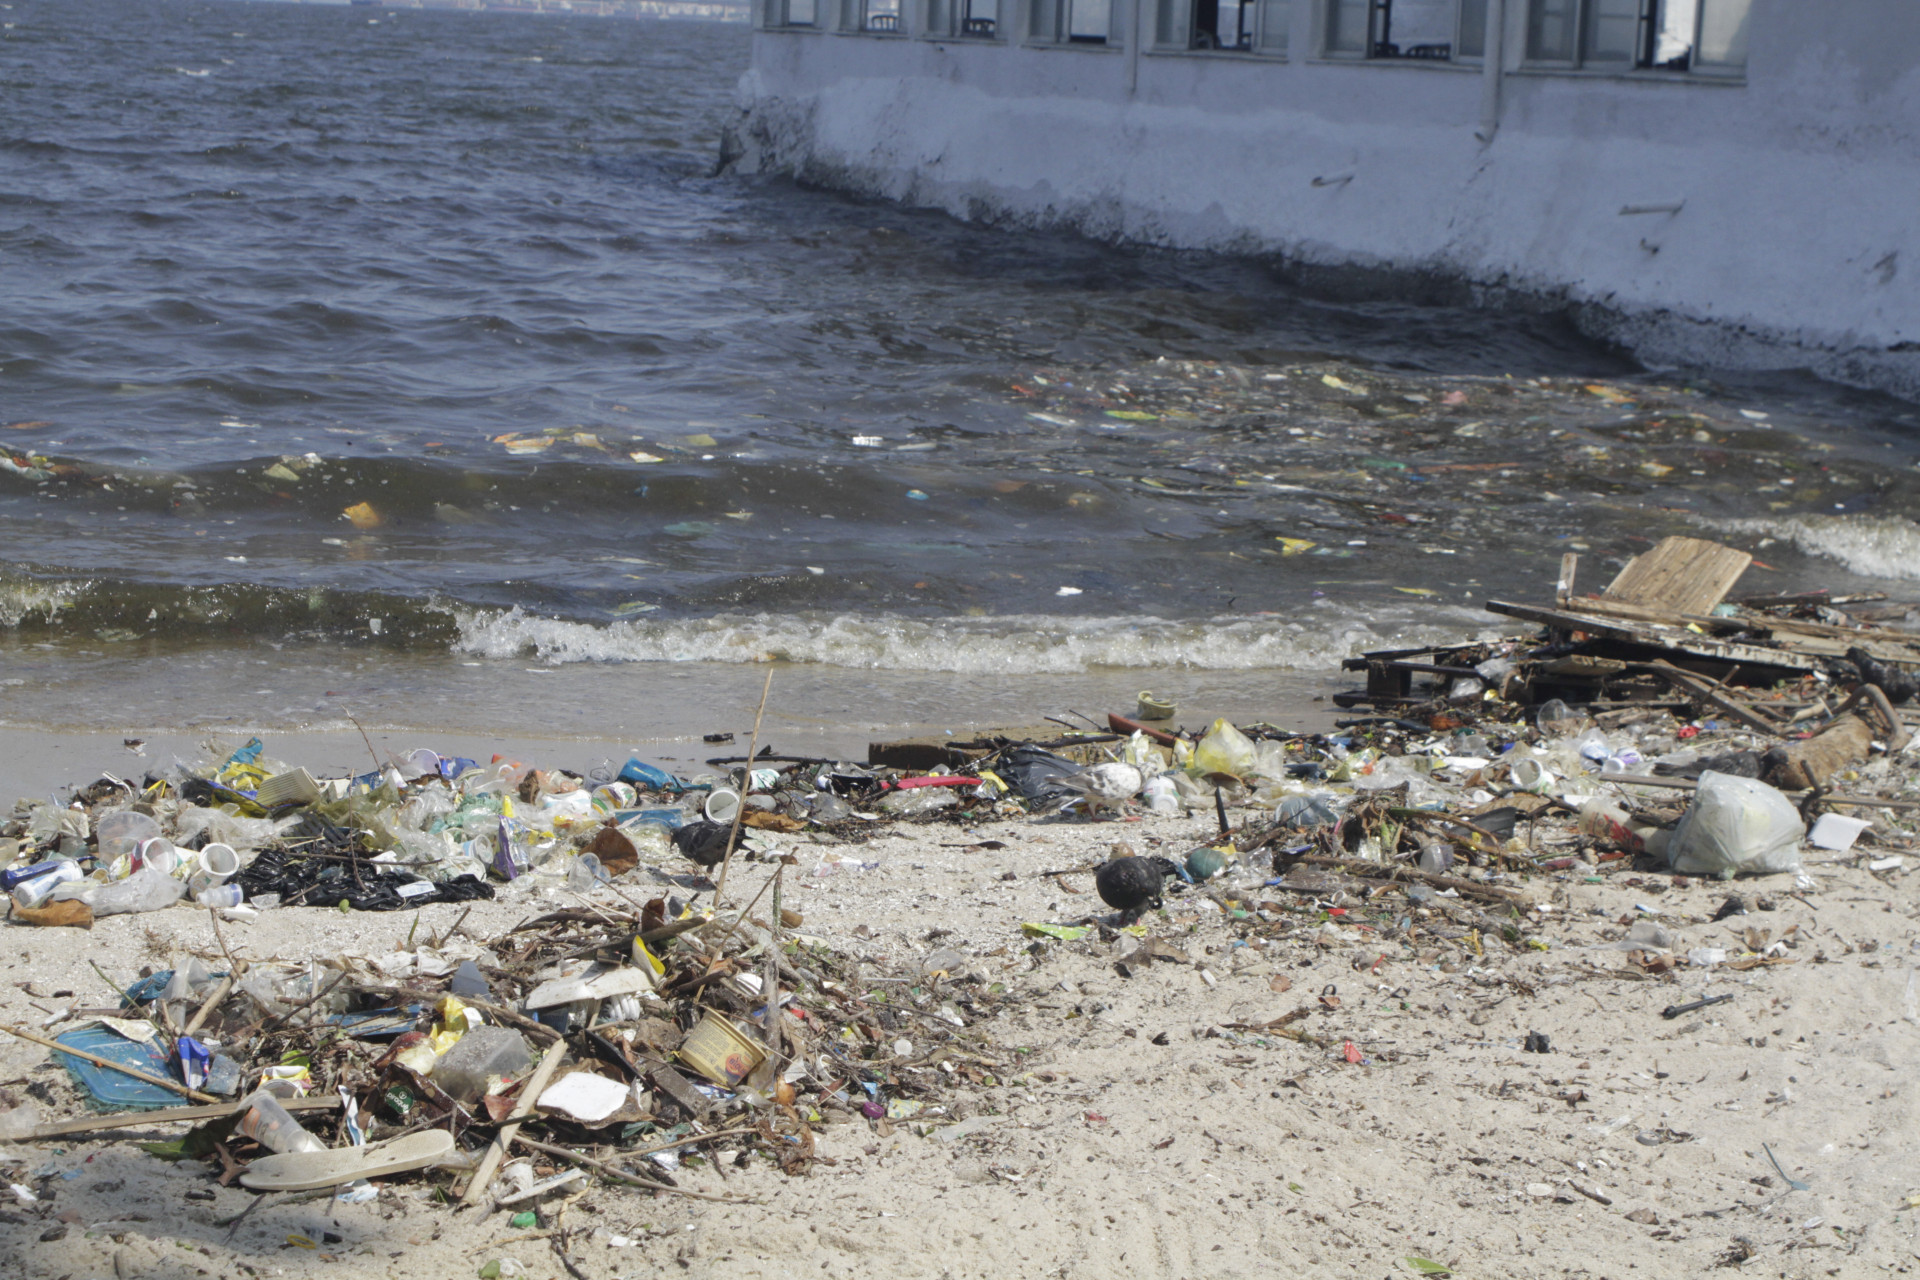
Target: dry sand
<point>1139,1134</point>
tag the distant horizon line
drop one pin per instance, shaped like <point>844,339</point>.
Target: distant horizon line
<point>732,9</point>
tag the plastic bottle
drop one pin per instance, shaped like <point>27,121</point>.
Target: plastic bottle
<point>220,895</point>
<point>1602,821</point>
<point>145,890</point>
<point>11,879</point>
<point>30,893</point>
<point>267,1123</point>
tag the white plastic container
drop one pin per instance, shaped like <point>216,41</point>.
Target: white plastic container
<point>721,805</point>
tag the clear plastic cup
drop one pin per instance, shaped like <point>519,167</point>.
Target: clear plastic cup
<point>121,830</point>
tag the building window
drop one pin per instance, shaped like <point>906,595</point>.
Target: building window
<point>793,13</point>
<point>964,19</point>
<point>1705,36</point>
<point>1423,29</point>
<point>1074,22</point>
<point>877,15</point>
<point>1243,26</point>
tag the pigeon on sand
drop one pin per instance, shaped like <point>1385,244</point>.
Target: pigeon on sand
<point>1131,885</point>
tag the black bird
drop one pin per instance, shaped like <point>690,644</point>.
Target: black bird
<point>704,842</point>
<point>1131,885</point>
<point>1895,683</point>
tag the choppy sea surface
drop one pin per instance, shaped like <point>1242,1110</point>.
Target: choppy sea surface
<point>418,365</point>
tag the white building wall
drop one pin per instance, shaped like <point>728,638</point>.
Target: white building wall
<point>1797,239</point>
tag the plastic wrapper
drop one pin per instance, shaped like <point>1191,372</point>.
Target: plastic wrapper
<point>217,825</point>
<point>1737,826</point>
<point>1034,773</point>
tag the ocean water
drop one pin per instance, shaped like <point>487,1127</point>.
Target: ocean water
<point>419,366</point>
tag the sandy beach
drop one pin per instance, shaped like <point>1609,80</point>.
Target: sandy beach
<point>1143,1120</point>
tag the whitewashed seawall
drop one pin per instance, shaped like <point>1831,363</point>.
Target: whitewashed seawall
<point>1798,239</point>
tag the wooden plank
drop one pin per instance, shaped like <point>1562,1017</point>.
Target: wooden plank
<point>1711,691</point>
<point>522,1108</point>
<point>1690,784</point>
<point>1569,567</point>
<point>1821,638</point>
<point>1686,575</point>
<point>1655,636</point>
<point>169,1115</point>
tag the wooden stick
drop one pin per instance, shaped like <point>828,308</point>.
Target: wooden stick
<point>111,1065</point>
<point>770,982</point>
<point>742,917</point>
<point>219,993</point>
<point>536,1084</point>
<point>303,1006</point>
<point>720,889</point>
<point>440,939</point>
<point>627,1178</point>
<point>531,1026</point>
<point>1701,687</point>
<point>1688,784</point>
<point>170,1115</point>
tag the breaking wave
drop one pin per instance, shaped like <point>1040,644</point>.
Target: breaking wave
<point>1874,546</point>
<point>1013,645</point>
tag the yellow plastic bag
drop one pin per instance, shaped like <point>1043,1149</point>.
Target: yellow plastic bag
<point>1223,749</point>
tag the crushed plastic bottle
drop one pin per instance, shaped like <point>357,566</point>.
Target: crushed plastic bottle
<point>145,890</point>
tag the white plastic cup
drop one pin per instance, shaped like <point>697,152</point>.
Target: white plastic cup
<point>1530,775</point>
<point>220,895</point>
<point>721,805</point>
<point>219,863</point>
<point>156,852</point>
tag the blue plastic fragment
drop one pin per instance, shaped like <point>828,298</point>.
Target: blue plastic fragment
<point>148,988</point>
<point>671,819</point>
<point>109,1090</point>
<point>642,774</point>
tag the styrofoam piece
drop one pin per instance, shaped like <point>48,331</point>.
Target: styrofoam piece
<point>1836,831</point>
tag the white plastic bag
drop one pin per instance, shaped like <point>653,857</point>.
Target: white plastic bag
<point>1737,826</point>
